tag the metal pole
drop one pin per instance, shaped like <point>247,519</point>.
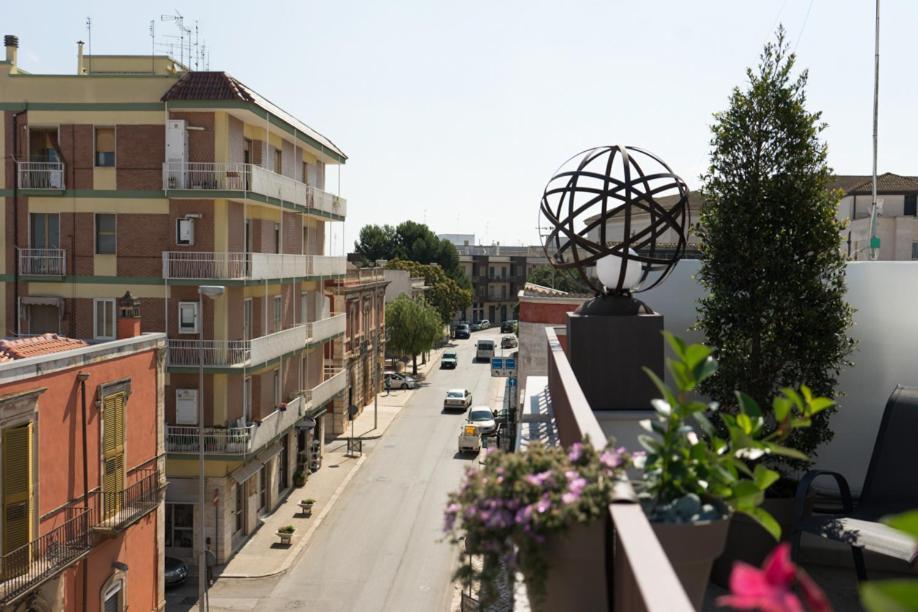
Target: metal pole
<point>82,377</point>
<point>876,107</point>
<point>202,556</point>
<point>376,396</point>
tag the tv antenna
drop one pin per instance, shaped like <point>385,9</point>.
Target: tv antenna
<point>152,45</point>
<point>89,37</point>
<point>179,22</point>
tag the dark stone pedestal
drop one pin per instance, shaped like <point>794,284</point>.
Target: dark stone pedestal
<point>607,354</point>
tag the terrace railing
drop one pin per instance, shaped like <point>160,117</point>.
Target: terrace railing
<point>217,440</point>
<point>326,328</point>
<point>42,262</point>
<point>116,510</point>
<point>213,353</point>
<point>266,348</point>
<point>248,266</point>
<point>641,576</point>
<point>41,175</point>
<point>334,382</point>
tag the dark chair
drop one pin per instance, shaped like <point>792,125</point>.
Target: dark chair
<point>890,487</point>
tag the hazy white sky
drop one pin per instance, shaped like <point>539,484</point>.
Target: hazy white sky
<point>457,113</point>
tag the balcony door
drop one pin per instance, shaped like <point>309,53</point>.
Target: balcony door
<point>112,454</point>
<point>17,498</point>
<point>44,230</point>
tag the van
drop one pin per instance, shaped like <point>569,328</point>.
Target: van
<point>484,350</point>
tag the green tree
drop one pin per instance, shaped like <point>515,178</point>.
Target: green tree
<point>548,276</point>
<point>408,241</point>
<point>376,242</point>
<point>412,327</point>
<point>770,256</point>
<point>445,294</point>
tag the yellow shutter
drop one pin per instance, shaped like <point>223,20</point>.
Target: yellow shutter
<point>17,487</point>
<point>112,453</point>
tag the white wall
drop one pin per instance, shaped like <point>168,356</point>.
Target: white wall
<point>885,296</point>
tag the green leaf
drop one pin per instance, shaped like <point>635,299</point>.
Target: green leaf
<point>677,344</point>
<point>743,420</point>
<point>748,405</point>
<point>763,477</point>
<point>704,423</point>
<point>766,520</point>
<point>907,522</point>
<point>695,355</point>
<point>784,451</point>
<point>781,407</point>
<point>890,595</point>
<point>819,404</point>
<point>705,369</point>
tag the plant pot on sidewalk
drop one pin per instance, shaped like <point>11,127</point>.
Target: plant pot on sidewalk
<point>306,506</point>
<point>286,534</point>
<point>692,549</point>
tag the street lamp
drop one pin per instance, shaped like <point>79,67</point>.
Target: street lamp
<point>212,292</point>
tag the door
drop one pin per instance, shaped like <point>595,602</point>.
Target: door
<point>112,454</point>
<point>247,246</point>
<point>17,498</point>
<point>283,466</point>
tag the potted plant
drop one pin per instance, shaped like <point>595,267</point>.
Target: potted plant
<point>299,477</point>
<point>306,506</point>
<point>522,509</point>
<point>693,477</point>
<point>286,534</point>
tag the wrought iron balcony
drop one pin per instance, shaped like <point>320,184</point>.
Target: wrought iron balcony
<point>41,175</point>
<point>240,177</point>
<point>42,262</point>
<point>115,511</point>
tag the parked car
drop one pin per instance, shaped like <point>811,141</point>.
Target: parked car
<point>400,381</point>
<point>484,350</point>
<point>457,399</point>
<point>462,331</point>
<point>480,325</point>
<point>482,418</point>
<point>509,342</point>
<point>469,440</point>
<point>175,572</point>
<point>448,361</point>
<point>508,327</point>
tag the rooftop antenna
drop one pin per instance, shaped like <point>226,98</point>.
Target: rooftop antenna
<point>874,239</point>
<point>89,37</point>
<point>197,48</point>
<point>179,21</point>
<point>152,45</point>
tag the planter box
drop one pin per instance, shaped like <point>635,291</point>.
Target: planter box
<point>285,538</point>
<point>692,549</point>
<point>577,572</point>
<point>306,508</point>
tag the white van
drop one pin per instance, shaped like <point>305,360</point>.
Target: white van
<point>484,350</point>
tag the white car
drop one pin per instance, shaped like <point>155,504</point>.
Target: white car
<point>400,381</point>
<point>483,418</point>
<point>457,399</point>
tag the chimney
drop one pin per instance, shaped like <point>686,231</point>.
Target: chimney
<point>129,316</point>
<point>12,46</point>
<point>80,69</point>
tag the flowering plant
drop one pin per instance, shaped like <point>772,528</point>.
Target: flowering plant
<point>690,475</point>
<point>505,511</point>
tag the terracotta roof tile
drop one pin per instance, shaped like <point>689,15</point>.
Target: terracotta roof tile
<point>207,86</point>
<point>23,348</point>
<point>887,183</point>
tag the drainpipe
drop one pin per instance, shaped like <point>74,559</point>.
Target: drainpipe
<point>82,377</point>
<point>16,216</point>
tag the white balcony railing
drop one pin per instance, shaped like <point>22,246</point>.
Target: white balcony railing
<point>41,175</point>
<point>248,266</point>
<point>217,440</point>
<point>42,262</point>
<point>277,423</point>
<point>266,348</point>
<point>253,178</point>
<point>326,328</point>
<point>213,353</point>
<point>334,383</point>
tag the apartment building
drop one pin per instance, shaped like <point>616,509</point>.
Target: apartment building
<point>897,223</point>
<point>361,295</point>
<point>209,203</point>
<point>81,458</point>
<point>497,273</point>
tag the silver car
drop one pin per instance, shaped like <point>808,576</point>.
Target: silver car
<point>457,399</point>
<point>483,418</point>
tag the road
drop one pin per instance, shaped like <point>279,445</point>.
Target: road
<point>380,548</point>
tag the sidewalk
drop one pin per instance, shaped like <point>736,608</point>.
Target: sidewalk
<point>262,555</point>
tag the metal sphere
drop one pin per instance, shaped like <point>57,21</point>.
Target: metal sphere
<point>607,200</point>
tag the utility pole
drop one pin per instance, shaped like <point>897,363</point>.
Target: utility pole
<point>874,239</point>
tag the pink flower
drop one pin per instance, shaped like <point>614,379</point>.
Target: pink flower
<point>538,480</point>
<point>575,452</point>
<point>544,505</point>
<point>611,459</point>
<point>770,589</point>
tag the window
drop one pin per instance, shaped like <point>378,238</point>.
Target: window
<point>277,244</point>
<point>103,317</point>
<point>184,232</point>
<point>105,234</point>
<point>304,307</point>
<point>44,230</point>
<point>278,312</point>
<point>113,598</point>
<point>263,487</point>
<point>915,250</point>
<point>278,161</point>
<point>112,453</point>
<point>18,486</point>
<point>179,525</point>
<point>239,507</point>
<point>186,407</point>
<point>277,388</point>
<point>247,399</point>
<point>911,205</point>
<point>188,318</point>
<point>105,147</point>
<point>247,319</point>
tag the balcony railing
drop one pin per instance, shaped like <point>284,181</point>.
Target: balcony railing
<point>266,348</point>
<point>277,423</point>
<point>217,440</point>
<point>641,574</point>
<point>326,328</point>
<point>41,175</point>
<point>213,353</point>
<point>334,382</point>
<point>28,566</point>
<point>42,262</point>
<point>251,178</point>
<point>247,266</point>
<point>116,510</point>
<point>360,276</point>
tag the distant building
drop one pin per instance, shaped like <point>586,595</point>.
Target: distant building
<point>402,283</point>
<point>897,224</point>
<point>541,307</point>
<point>82,458</point>
<point>458,239</point>
<point>497,273</point>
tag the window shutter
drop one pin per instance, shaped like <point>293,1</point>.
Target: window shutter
<point>17,487</point>
<point>112,452</point>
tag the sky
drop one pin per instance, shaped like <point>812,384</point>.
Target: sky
<point>456,114</point>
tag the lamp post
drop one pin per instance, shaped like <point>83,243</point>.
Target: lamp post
<point>213,292</point>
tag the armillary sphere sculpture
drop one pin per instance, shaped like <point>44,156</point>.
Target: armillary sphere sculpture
<point>622,211</point>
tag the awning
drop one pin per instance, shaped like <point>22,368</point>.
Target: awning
<point>269,453</point>
<point>242,474</point>
<point>40,300</point>
<point>317,412</point>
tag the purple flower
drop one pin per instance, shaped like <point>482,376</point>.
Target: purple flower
<point>538,480</point>
<point>544,505</point>
<point>576,451</point>
<point>523,515</point>
<point>612,459</point>
<point>570,497</point>
<point>572,475</point>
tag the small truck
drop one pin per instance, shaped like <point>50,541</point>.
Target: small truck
<point>469,439</point>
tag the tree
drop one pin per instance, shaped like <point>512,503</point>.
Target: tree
<point>443,293</point>
<point>409,241</point>
<point>770,256</point>
<point>413,326</point>
<point>548,276</point>
<point>376,242</point>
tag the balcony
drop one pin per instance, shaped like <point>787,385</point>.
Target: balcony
<point>323,329</point>
<point>334,382</point>
<point>206,265</point>
<point>42,262</point>
<point>244,178</point>
<point>41,175</point>
<point>277,423</point>
<point>217,440</point>
<point>266,348</point>
<point>212,353</point>
<point>116,511</point>
<point>363,276</point>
